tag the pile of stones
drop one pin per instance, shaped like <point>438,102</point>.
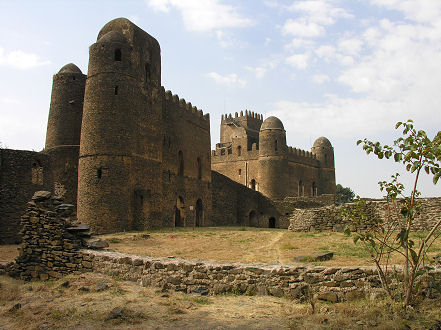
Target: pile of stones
<point>51,241</point>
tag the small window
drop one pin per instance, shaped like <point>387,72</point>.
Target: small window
<point>180,163</point>
<point>253,184</point>
<point>99,173</point>
<point>117,55</point>
<point>116,90</point>
<point>147,72</point>
<point>73,78</point>
<point>275,145</point>
<point>240,171</point>
<point>239,150</point>
<point>222,152</point>
<point>199,168</point>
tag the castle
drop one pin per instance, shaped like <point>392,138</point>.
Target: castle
<point>133,156</point>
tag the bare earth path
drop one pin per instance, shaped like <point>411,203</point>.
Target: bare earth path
<point>271,250</point>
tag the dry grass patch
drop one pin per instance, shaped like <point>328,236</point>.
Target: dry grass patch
<point>242,244</point>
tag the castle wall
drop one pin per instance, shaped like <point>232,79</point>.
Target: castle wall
<point>21,174</point>
<point>235,204</point>
<point>186,172</point>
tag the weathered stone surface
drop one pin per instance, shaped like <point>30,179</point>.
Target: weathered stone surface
<point>95,243</point>
<point>41,196</point>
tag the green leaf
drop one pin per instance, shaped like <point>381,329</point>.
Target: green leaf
<point>414,256</point>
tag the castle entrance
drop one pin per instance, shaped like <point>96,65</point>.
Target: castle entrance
<point>252,218</point>
<point>199,213</point>
<point>272,222</point>
<point>179,212</point>
<point>141,210</point>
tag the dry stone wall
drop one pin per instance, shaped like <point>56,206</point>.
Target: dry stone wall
<point>328,217</point>
<point>331,284</point>
<point>50,243</point>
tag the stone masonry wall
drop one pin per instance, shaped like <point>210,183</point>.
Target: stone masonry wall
<point>330,283</point>
<point>328,218</point>
<point>21,174</point>
<point>50,244</point>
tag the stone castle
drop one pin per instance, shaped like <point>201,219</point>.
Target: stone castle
<point>133,156</point>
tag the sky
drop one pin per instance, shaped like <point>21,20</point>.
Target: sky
<point>343,69</point>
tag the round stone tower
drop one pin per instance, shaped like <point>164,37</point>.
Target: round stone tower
<point>120,124</point>
<point>324,152</point>
<point>273,163</point>
<point>63,130</point>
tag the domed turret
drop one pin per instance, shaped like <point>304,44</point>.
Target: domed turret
<point>64,129</point>
<point>119,112</point>
<point>272,123</point>
<point>324,152</point>
<point>273,162</point>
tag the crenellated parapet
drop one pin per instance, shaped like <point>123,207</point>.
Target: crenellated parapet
<point>185,109</point>
<point>242,115</point>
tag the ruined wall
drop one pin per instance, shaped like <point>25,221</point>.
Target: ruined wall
<point>186,172</point>
<point>235,204</point>
<point>328,218</point>
<point>21,174</point>
<point>331,284</point>
<point>50,245</point>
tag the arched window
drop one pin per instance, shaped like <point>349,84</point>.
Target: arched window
<point>240,171</point>
<point>180,163</point>
<point>239,150</point>
<point>199,168</point>
<point>300,188</point>
<point>117,56</point>
<point>116,90</point>
<point>147,71</point>
<point>253,184</point>
<point>275,145</point>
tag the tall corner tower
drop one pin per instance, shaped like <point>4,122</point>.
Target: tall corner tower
<point>64,129</point>
<point>120,129</point>
<point>324,152</point>
<point>273,163</point>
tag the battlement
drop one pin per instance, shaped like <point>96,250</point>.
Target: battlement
<point>242,115</point>
<point>186,107</point>
<point>301,153</point>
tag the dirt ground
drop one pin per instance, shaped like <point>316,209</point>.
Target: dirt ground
<point>96,301</point>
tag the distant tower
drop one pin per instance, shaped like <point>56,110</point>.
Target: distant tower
<point>63,130</point>
<point>325,154</point>
<point>273,163</point>
<point>121,130</point>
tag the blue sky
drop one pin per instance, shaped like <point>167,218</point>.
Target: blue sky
<point>344,69</point>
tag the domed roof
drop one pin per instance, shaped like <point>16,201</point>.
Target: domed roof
<point>70,68</point>
<point>322,142</point>
<point>113,36</point>
<point>272,123</point>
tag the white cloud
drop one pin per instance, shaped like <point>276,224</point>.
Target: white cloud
<point>423,11</point>
<point>299,61</point>
<point>299,43</point>
<point>320,78</point>
<point>231,79</point>
<point>302,28</point>
<point>20,60</point>
<point>350,46</point>
<point>9,101</point>
<point>258,71</point>
<point>320,11</point>
<point>207,15</point>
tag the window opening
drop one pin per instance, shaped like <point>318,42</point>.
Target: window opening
<point>117,54</point>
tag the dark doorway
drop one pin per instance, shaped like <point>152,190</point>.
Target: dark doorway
<point>253,219</point>
<point>272,222</point>
<point>179,212</point>
<point>138,211</point>
<point>199,213</point>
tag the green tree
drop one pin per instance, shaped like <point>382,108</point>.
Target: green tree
<point>344,194</point>
<point>418,154</point>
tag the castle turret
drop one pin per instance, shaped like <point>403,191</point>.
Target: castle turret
<point>121,130</point>
<point>273,163</point>
<point>63,130</point>
<point>324,152</point>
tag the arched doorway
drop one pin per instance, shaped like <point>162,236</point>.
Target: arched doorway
<point>179,212</point>
<point>272,222</point>
<point>199,213</point>
<point>252,218</point>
